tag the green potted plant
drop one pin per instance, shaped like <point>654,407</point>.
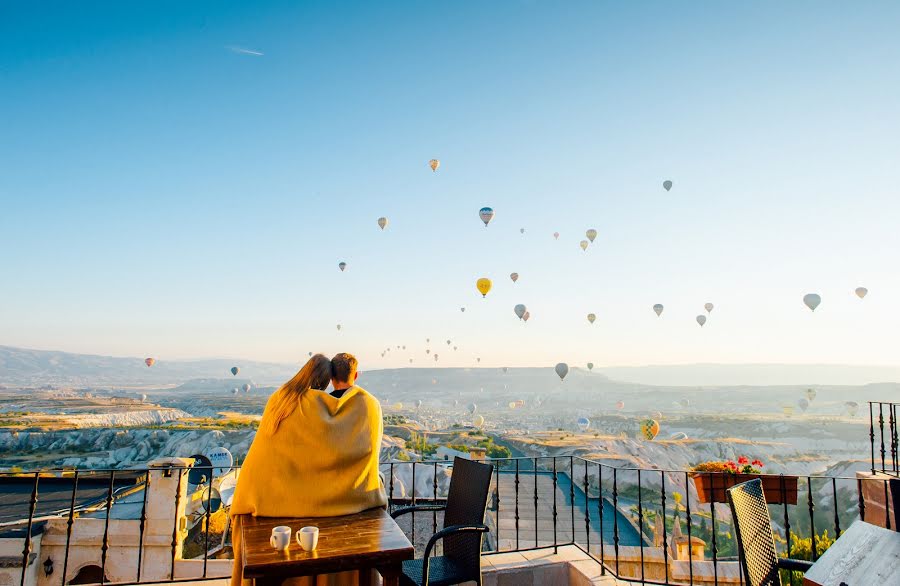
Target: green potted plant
<point>713,478</point>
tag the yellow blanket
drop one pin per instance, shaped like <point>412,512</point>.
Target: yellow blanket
<point>322,462</point>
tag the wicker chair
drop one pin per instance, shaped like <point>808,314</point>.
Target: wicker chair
<point>462,532</point>
<point>756,543</point>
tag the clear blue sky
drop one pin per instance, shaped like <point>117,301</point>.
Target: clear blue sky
<point>166,192</point>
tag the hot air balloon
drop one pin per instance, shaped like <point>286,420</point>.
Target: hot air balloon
<point>434,381</point>
<point>584,244</point>
<point>435,357</point>
<point>342,266</point>
<point>514,277</point>
<point>234,391</point>
<point>235,370</point>
<point>486,215</point>
<point>701,319</point>
<point>143,398</point>
<point>812,301</point>
<point>708,307</point>
<point>583,423</point>
<point>427,350</point>
<point>449,342</point>
<point>620,405</point>
<point>418,403</point>
<point>852,407</point>
<point>462,309</point>
<point>667,185</point>
<point>591,317</point>
<point>519,310</point>
<point>247,387</point>
<point>521,230</point>
<point>556,235</point>
<point>811,394</point>
<point>658,308</point>
<point>454,348</point>
<point>657,415</point>
<point>787,410</point>
<point>861,292</point>
<point>382,222</point>
<point>339,327</point>
<point>678,436</point>
<point>434,164</point>
<point>562,369</point>
<point>649,429</point>
<point>590,365</point>
<point>527,316</point>
<point>472,408</point>
<point>310,353</point>
<point>483,285</point>
<point>803,404</point>
<point>478,421</point>
<point>149,362</point>
<point>591,234</point>
<point>505,369</point>
<point>478,360</point>
<point>398,406</point>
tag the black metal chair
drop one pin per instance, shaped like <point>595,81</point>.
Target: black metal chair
<point>462,532</point>
<point>756,542</point>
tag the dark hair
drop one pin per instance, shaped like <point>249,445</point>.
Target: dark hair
<point>343,366</point>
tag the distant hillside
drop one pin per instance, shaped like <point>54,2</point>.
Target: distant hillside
<point>23,367</point>
<point>703,375</point>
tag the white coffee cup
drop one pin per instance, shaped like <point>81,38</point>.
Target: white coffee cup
<point>308,538</point>
<point>281,537</point>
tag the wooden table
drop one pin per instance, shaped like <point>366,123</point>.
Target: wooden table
<point>367,540</point>
<point>864,555</point>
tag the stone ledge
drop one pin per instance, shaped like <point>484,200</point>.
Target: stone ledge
<point>569,565</point>
<point>9,561</point>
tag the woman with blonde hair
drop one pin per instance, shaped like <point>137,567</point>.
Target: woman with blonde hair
<point>315,455</point>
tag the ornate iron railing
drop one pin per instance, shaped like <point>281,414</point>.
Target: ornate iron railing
<point>884,442</point>
<point>644,525</point>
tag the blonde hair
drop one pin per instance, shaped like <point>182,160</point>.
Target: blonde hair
<point>315,374</point>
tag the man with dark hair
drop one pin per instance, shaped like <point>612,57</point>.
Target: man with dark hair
<point>343,373</point>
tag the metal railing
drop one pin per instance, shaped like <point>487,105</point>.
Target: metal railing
<point>645,525</point>
<point>625,518</point>
<point>885,447</point>
<point>108,498</point>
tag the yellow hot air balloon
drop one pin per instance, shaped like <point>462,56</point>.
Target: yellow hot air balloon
<point>591,317</point>
<point>483,285</point>
<point>434,164</point>
<point>649,428</point>
<point>584,244</point>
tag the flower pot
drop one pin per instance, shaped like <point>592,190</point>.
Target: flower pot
<point>711,486</point>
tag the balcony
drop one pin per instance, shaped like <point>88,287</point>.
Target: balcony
<point>553,520</point>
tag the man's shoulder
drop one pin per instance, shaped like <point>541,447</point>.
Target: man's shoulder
<point>366,396</point>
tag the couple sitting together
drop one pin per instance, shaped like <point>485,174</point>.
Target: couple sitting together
<point>315,453</point>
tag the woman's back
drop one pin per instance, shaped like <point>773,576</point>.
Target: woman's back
<point>322,461</point>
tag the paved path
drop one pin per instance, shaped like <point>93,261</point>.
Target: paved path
<point>536,526</point>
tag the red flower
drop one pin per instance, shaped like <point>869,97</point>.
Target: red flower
<point>758,463</point>
<point>731,465</point>
<point>743,460</point>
